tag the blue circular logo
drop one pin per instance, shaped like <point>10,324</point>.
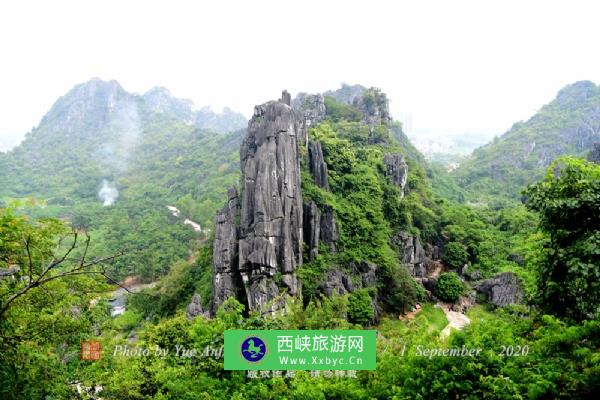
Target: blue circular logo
<point>253,349</point>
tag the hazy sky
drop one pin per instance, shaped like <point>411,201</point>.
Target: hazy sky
<point>449,67</point>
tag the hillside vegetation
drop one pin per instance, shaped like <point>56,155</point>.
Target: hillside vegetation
<point>497,173</point>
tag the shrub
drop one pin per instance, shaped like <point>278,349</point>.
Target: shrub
<point>455,255</point>
<point>360,309</point>
<point>449,287</point>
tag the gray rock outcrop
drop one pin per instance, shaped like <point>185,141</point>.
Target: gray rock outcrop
<point>410,248</point>
<point>367,272</point>
<point>226,278</point>
<point>271,212</point>
<point>311,110</point>
<point>194,309</point>
<point>317,165</point>
<point>329,233</point>
<point>347,94</point>
<point>358,275</point>
<point>286,98</point>
<point>372,102</point>
<point>594,155</point>
<point>337,281</point>
<point>312,228</point>
<point>502,290</point>
<point>374,105</point>
<point>396,170</point>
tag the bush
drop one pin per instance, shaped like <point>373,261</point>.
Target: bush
<point>400,291</point>
<point>360,309</point>
<point>455,255</point>
<point>449,287</point>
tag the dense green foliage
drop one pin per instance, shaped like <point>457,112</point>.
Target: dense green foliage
<point>522,355</point>
<point>175,289</point>
<point>43,316</point>
<point>568,200</point>
<point>455,255</point>
<point>360,309</point>
<point>368,207</point>
<point>495,241</point>
<point>449,287</point>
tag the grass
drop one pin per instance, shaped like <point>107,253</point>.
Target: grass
<point>435,316</point>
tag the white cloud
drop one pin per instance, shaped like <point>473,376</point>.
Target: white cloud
<point>453,66</point>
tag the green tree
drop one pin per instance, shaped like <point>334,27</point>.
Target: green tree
<point>568,200</point>
<point>360,307</point>
<point>449,287</point>
<point>44,304</point>
<point>455,255</point>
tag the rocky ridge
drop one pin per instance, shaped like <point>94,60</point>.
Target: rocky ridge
<point>258,245</point>
<point>261,234</point>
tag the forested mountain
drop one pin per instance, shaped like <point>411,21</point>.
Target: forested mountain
<point>99,131</point>
<point>568,125</point>
<point>112,161</point>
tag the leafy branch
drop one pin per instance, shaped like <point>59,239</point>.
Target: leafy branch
<point>52,270</point>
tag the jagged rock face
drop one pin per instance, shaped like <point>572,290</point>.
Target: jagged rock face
<point>432,251</point>
<point>502,290</point>
<point>311,107</point>
<point>366,271</point>
<point>359,275</point>
<point>271,211</point>
<point>226,279</point>
<point>195,309</point>
<point>312,228</point>
<point>595,153</point>
<point>347,93</point>
<point>463,304</point>
<point>396,170</point>
<point>337,280</point>
<point>311,110</point>
<point>410,248</point>
<point>329,233</point>
<point>286,98</point>
<point>375,107</point>
<point>317,165</point>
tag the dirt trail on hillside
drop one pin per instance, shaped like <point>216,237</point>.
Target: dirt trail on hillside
<point>456,320</point>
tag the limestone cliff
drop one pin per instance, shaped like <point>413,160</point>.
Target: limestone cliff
<point>310,108</point>
<point>271,215</point>
<point>267,248</point>
<point>594,155</point>
<point>226,278</point>
<point>396,170</point>
<point>312,228</point>
<point>317,165</point>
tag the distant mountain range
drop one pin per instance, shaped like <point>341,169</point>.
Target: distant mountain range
<point>98,131</point>
<point>569,125</point>
<point>444,149</point>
